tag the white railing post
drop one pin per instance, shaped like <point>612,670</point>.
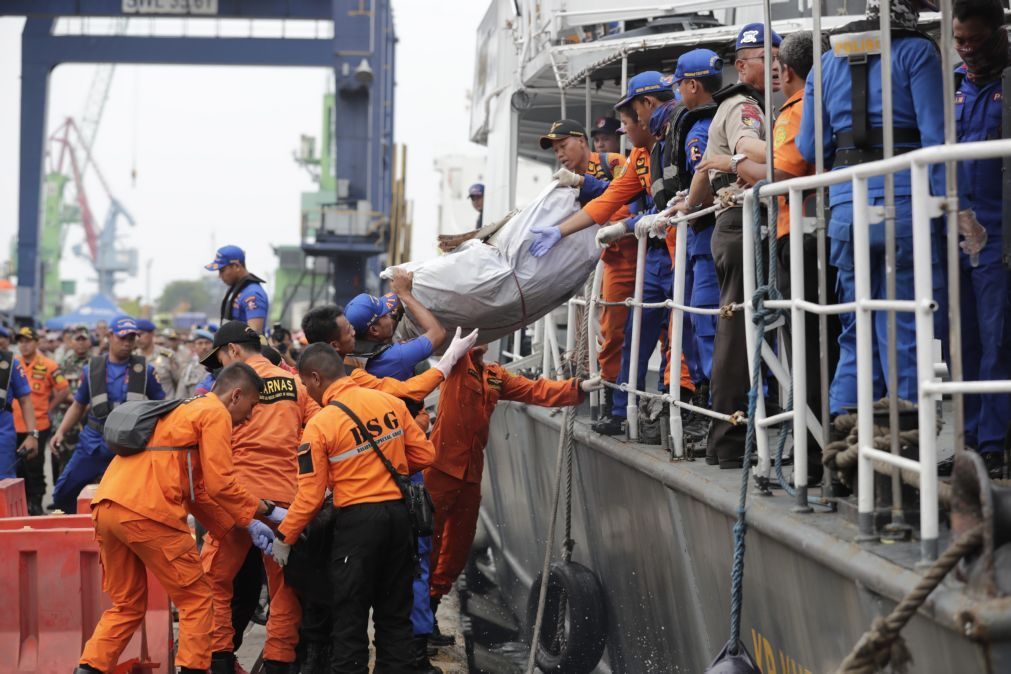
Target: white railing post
<point>677,337</point>
<point>570,330</point>
<point>865,356</point>
<point>592,330</point>
<point>798,348</point>
<point>753,333</point>
<point>923,284</point>
<point>632,404</point>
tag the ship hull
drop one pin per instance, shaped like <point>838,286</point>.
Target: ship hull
<point>659,537</point>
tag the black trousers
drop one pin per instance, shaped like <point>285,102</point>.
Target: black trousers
<point>372,567</point>
<point>731,379</point>
<point>246,593</point>
<point>810,329</point>
<point>34,470</point>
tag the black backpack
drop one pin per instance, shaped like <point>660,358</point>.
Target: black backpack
<point>129,426</point>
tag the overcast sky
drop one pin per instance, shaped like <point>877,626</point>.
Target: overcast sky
<point>212,147</point>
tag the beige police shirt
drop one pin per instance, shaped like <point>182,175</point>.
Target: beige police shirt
<point>736,118</point>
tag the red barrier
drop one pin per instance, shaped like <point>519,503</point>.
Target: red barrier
<point>84,499</point>
<point>51,582</point>
<point>12,497</point>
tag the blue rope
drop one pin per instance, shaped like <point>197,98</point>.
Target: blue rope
<point>762,317</point>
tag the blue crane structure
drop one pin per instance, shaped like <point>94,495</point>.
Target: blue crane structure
<point>361,54</point>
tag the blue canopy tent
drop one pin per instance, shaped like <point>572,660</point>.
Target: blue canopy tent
<point>98,308</point>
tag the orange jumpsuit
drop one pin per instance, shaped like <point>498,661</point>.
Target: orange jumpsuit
<point>416,388</point>
<point>622,190</point>
<point>264,451</point>
<point>466,403</point>
<point>140,522</point>
<point>619,276</point>
<point>45,378</point>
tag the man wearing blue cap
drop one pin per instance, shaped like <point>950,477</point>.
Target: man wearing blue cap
<point>738,130</point>
<point>201,342</point>
<point>106,381</point>
<point>246,300</point>
<point>161,359</point>
<point>852,123</point>
<point>476,195</point>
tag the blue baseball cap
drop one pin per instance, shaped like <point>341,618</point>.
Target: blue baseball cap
<point>145,325</point>
<point>225,256</point>
<point>123,326</point>
<point>4,332</point>
<point>202,334</point>
<point>476,190</point>
<point>753,35</point>
<point>698,63</point>
<point>648,82</point>
<point>365,309</point>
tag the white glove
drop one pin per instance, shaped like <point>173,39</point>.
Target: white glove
<point>567,178</point>
<point>277,514</point>
<point>654,225</point>
<point>973,235</point>
<point>592,384</point>
<point>281,552</point>
<point>454,352</point>
<point>610,233</point>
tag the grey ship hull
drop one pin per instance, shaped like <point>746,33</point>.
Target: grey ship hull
<point>658,535</point>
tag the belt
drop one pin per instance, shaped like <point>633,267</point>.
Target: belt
<point>95,425</point>
<point>852,155</point>
<point>723,180</point>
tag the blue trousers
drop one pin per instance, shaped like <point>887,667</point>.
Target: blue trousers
<point>657,287</point>
<point>86,466</point>
<point>422,620</point>
<point>8,450</point>
<point>702,293</point>
<point>986,351</point>
<point>843,391</point>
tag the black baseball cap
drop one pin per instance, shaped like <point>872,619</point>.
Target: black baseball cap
<point>563,128</point>
<point>606,125</point>
<point>232,332</point>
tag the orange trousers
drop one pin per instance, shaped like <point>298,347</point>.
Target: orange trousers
<point>618,284</point>
<point>130,545</point>
<point>456,508</point>
<point>221,560</point>
<point>686,376</point>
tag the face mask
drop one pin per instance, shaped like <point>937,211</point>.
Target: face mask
<point>986,62</point>
<point>659,118</point>
<point>904,13</point>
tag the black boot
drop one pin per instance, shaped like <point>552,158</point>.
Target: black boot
<point>276,667</point>
<point>86,669</point>
<point>317,658</point>
<point>190,670</point>
<point>222,662</point>
<point>35,506</point>
<point>421,663</point>
<point>607,424</point>
<point>437,638</point>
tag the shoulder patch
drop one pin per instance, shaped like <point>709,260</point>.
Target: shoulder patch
<point>277,389</point>
<point>305,466</point>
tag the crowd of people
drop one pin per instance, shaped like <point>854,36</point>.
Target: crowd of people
<point>699,141</point>
<point>304,454</point>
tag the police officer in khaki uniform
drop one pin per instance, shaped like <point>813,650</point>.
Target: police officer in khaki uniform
<point>738,131</point>
<point>163,360</point>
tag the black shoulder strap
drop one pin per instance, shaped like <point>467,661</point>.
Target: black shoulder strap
<point>98,387</point>
<point>136,379</point>
<point>6,370</point>
<point>605,166</point>
<point>397,477</point>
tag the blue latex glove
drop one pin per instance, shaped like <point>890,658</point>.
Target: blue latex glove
<point>546,239</point>
<point>277,514</point>
<point>262,535</point>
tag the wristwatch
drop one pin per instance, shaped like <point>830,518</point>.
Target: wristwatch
<point>269,505</point>
<point>35,434</point>
<point>735,160</point>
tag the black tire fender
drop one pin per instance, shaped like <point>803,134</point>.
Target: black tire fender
<point>575,646</point>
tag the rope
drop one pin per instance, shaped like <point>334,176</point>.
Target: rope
<point>842,455</point>
<point>883,645</point>
<point>566,445</point>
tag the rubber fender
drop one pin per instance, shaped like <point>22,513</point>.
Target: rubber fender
<point>728,662</point>
<point>576,645</point>
<point>12,498</point>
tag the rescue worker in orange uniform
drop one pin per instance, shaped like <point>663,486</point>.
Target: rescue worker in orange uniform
<point>264,455</point>
<point>372,559</point>
<point>140,515</point>
<point>466,402</point>
<point>568,140</point>
<point>49,390</point>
